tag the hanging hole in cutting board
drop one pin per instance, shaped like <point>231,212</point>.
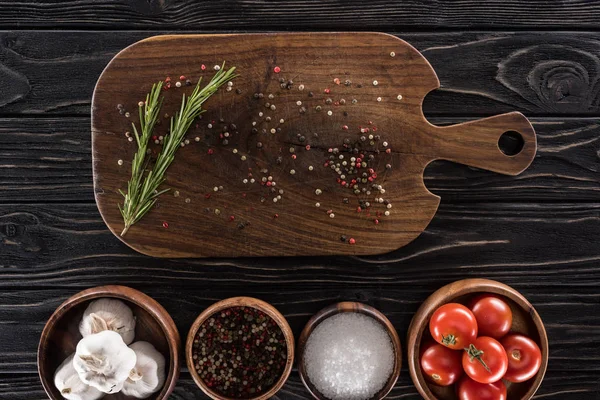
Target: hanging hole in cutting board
<point>511,143</point>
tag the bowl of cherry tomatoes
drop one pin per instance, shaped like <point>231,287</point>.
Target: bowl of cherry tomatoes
<point>477,339</point>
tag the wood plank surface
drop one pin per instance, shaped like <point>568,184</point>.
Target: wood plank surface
<point>481,73</point>
<point>537,232</point>
<point>69,245</point>
<point>308,14</point>
<point>49,160</point>
<point>45,159</point>
<point>578,385</point>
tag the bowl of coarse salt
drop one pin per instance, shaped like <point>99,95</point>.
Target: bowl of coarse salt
<point>349,351</point>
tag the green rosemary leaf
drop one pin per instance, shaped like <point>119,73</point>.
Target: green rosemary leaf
<point>148,112</point>
<point>142,191</point>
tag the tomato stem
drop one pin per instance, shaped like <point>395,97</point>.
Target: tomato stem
<point>475,354</point>
<point>449,340</point>
<point>516,354</point>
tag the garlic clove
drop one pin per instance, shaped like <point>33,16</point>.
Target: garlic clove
<point>108,314</point>
<point>69,384</point>
<point>148,375</point>
<point>104,361</point>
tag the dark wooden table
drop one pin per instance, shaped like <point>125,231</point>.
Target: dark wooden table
<point>537,232</point>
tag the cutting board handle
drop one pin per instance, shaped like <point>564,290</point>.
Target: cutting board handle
<point>478,143</point>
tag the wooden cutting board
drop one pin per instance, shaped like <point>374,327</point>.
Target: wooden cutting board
<point>302,104</point>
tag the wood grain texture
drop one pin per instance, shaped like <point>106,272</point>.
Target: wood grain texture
<point>293,226</point>
<point>309,14</point>
<point>153,324</point>
<point>528,232</point>
<point>571,385</point>
<point>481,73</point>
<point>525,320</point>
<point>69,245</point>
<point>49,160</point>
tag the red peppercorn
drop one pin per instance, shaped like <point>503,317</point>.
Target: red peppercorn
<point>351,241</point>
<point>277,70</point>
<point>376,222</point>
<point>203,67</point>
<point>210,151</point>
<point>307,147</point>
<point>165,224</point>
<point>182,78</point>
<point>327,91</point>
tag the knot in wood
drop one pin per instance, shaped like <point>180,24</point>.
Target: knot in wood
<point>10,230</point>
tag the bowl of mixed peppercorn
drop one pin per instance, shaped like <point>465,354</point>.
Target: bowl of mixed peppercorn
<point>240,348</point>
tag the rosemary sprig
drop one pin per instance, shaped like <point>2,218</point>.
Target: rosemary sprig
<point>147,192</point>
<point>135,195</point>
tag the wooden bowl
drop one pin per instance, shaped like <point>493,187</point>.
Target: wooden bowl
<point>525,321</point>
<point>241,302</point>
<point>153,324</point>
<point>349,306</point>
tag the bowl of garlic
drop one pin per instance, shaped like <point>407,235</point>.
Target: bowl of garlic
<point>109,342</point>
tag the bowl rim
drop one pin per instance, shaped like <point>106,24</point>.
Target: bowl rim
<point>343,307</point>
<point>445,295</point>
<point>140,299</point>
<point>241,301</point>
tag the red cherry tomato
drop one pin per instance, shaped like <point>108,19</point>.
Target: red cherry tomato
<point>493,315</point>
<point>524,357</point>
<point>468,389</point>
<point>454,326</point>
<point>485,361</point>
<point>441,365</point>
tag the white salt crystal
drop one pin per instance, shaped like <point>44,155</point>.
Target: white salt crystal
<point>349,356</point>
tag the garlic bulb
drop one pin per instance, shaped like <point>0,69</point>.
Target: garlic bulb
<point>148,376</point>
<point>70,386</point>
<point>104,361</point>
<point>108,314</point>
